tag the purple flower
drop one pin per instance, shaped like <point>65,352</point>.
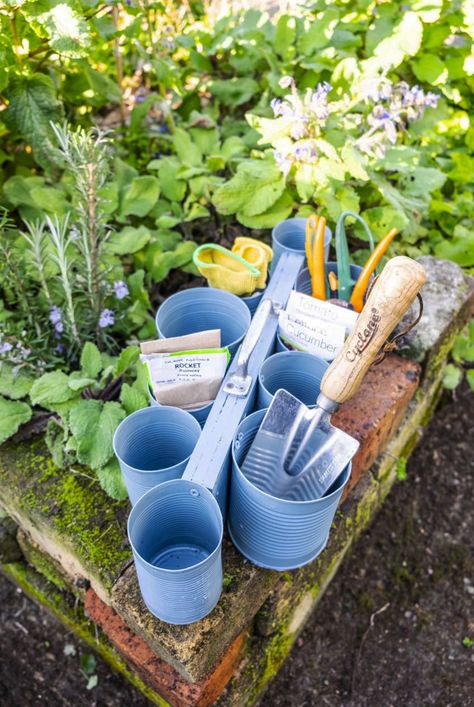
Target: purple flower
<point>322,89</point>
<point>60,349</point>
<point>4,348</point>
<point>163,128</point>
<point>431,99</point>
<point>55,317</point>
<point>121,289</point>
<point>107,318</point>
<point>140,99</point>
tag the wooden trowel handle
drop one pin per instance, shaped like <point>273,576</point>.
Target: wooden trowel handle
<point>395,289</point>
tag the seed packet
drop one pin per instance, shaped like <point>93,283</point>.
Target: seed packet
<point>186,371</point>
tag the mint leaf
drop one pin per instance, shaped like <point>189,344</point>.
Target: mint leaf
<point>93,424</point>
<point>91,360</point>
<point>13,414</point>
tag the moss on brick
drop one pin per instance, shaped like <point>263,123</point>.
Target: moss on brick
<point>68,506</point>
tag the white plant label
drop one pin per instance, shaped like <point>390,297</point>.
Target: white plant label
<point>317,337</point>
<point>301,304</point>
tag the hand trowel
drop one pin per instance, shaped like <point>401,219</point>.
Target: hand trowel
<point>297,453</point>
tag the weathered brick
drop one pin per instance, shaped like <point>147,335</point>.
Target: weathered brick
<point>156,672</point>
<point>375,412</point>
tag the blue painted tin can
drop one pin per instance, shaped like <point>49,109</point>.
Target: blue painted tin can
<point>303,281</point>
<point>202,308</point>
<point>289,236</point>
<point>153,445</point>
<point>200,414</point>
<point>175,531</point>
<point>297,372</point>
<point>272,532</point>
<point>252,301</point>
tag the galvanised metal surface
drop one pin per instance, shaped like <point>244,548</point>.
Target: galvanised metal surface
<point>202,308</point>
<point>209,464</point>
<point>175,531</point>
<point>200,414</point>
<point>289,236</point>
<point>272,532</point>
<point>295,371</point>
<point>153,445</point>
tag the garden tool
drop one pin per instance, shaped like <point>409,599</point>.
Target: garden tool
<point>346,283</point>
<point>256,253</point>
<point>357,297</point>
<point>297,453</point>
<point>314,246</point>
<point>225,270</point>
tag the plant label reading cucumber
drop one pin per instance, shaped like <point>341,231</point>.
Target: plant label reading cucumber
<point>317,337</point>
<point>300,304</point>
<point>187,379</point>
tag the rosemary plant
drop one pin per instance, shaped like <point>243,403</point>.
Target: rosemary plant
<point>87,158</point>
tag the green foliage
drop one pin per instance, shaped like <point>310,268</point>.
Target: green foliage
<point>462,354</point>
<point>13,414</point>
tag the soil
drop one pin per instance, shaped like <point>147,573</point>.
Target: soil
<point>394,628</point>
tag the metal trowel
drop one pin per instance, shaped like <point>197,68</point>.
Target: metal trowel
<point>297,453</point>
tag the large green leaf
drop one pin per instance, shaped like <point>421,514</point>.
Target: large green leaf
<point>128,240</point>
<point>187,150</point>
<point>93,424</point>
<point>256,186</point>
<point>32,105</point>
<point>460,248</point>
<point>132,399</point>
<point>280,210</point>
<point>91,360</point>
<point>140,197</point>
<point>318,32</point>
<point>66,29</point>
<point>431,69</point>
<point>111,480</point>
<point>171,188</point>
<point>13,414</point>
<point>51,388</point>
<point>285,34</point>
<point>403,40</point>
<point>14,385</point>
<point>234,91</point>
<point>127,357</point>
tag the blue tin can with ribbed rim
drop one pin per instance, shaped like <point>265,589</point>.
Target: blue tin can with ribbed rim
<point>200,414</point>
<point>175,531</point>
<point>154,445</point>
<point>273,532</point>
<point>297,372</point>
<point>289,236</point>
<point>203,308</point>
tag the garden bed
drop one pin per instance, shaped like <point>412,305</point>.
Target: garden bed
<point>74,535</point>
